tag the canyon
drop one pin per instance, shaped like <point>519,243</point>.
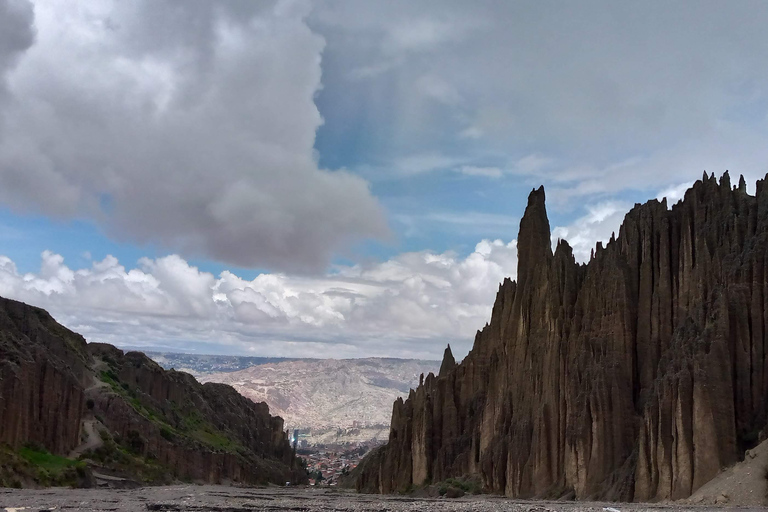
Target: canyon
<point>331,401</point>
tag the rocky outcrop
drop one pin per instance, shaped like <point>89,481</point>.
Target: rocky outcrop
<point>637,376</point>
<point>43,370</point>
<point>51,379</point>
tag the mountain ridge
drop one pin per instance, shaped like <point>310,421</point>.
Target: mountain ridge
<point>154,426</point>
<point>635,376</point>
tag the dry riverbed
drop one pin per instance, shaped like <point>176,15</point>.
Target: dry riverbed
<point>234,499</point>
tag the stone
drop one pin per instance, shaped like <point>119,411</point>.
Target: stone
<point>722,499</point>
<point>454,492</point>
<point>636,376</point>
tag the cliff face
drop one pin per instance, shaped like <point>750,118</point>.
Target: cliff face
<point>43,369</point>
<point>164,421</point>
<point>636,376</point>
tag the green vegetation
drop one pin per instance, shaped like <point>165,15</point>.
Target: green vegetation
<point>191,426</point>
<point>35,464</point>
<point>466,485</point>
<point>195,427</point>
<point>122,459</point>
<point>47,461</point>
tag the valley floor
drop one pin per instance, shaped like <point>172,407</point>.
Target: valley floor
<point>234,499</point>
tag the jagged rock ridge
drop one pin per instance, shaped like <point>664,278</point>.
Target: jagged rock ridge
<point>637,376</point>
<point>51,380</point>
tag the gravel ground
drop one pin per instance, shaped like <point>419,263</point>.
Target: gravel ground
<point>234,499</point>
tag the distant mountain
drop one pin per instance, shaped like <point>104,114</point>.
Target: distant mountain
<point>204,364</point>
<point>322,394</point>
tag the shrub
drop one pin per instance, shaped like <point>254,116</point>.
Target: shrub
<point>134,442</point>
<point>166,433</point>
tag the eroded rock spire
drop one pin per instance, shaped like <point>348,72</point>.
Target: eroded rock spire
<point>448,361</point>
<point>635,377</point>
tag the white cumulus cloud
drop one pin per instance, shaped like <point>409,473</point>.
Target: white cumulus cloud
<point>410,305</point>
<point>189,125</point>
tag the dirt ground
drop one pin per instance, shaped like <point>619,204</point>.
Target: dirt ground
<point>744,483</point>
<point>234,499</point>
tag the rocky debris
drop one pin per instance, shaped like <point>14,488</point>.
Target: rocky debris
<point>637,376</point>
<point>114,482</point>
<point>207,498</point>
<point>454,492</point>
<point>140,421</point>
<point>744,483</point>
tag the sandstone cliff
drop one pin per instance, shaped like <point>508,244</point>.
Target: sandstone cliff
<point>637,376</point>
<point>159,425</point>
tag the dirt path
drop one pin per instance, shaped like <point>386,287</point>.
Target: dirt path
<point>189,498</point>
<point>92,439</point>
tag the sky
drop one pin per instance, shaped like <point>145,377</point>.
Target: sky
<point>344,178</point>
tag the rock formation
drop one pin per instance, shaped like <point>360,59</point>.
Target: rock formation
<point>51,379</point>
<point>636,376</point>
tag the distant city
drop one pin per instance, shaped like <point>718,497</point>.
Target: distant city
<point>329,466</point>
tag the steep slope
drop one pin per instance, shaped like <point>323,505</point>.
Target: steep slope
<point>316,393</point>
<point>158,425</point>
<point>636,376</point>
<point>744,484</point>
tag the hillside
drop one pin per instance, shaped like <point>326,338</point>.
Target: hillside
<point>73,413</point>
<point>637,376</point>
<point>326,394</point>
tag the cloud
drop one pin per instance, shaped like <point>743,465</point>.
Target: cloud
<point>410,305</point>
<point>186,125</point>
<point>674,193</point>
<point>610,96</point>
<point>489,172</point>
<point>16,35</point>
<point>421,163</point>
<point>470,223</point>
<point>601,221</point>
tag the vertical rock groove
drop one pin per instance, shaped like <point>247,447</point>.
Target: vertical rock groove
<point>636,376</point>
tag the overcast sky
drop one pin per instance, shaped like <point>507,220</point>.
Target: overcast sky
<point>344,179</point>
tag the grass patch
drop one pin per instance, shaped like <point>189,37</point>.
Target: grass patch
<point>130,395</point>
<point>191,426</point>
<point>466,485</point>
<point>34,464</point>
<point>195,427</point>
<point>122,460</point>
<point>46,460</point>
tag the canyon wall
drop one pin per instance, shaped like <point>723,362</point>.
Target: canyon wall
<point>636,376</point>
<point>164,421</point>
<point>43,372</point>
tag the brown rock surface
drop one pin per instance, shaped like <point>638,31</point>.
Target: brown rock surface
<point>637,376</point>
<point>160,420</point>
